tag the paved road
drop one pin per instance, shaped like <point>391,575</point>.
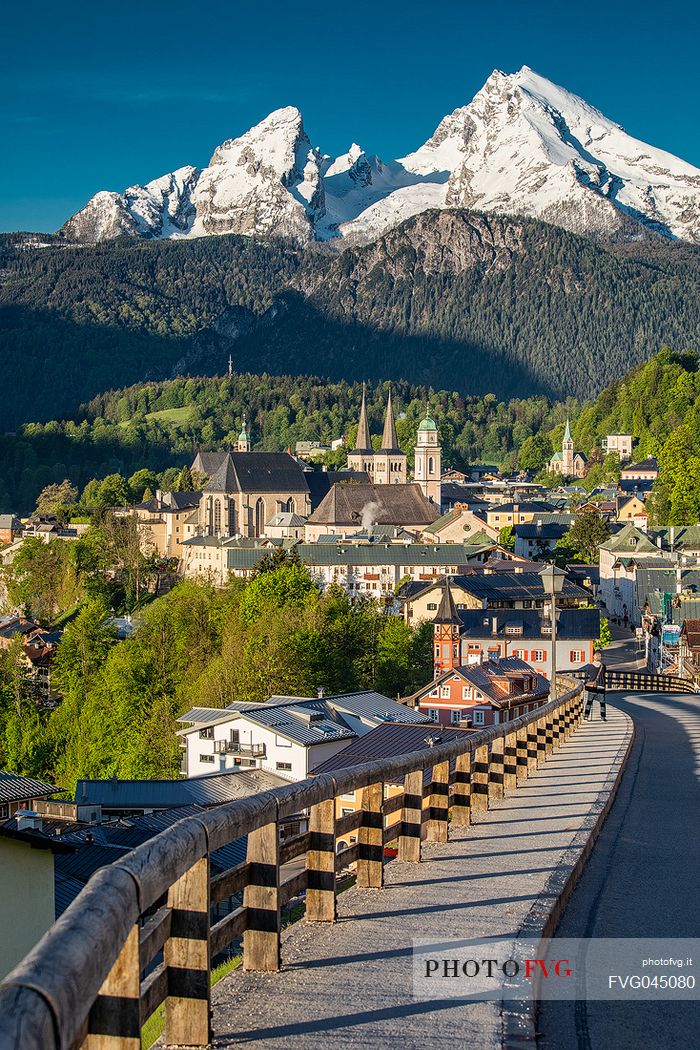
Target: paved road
<point>642,878</point>
<point>350,985</point>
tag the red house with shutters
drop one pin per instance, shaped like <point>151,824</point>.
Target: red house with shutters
<point>488,691</point>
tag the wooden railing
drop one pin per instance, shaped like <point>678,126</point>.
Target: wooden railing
<point>641,682</point>
<point>92,981</point>
<point>648,682</point>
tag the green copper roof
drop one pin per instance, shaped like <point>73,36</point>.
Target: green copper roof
<point>427,424</point>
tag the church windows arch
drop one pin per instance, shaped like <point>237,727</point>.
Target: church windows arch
<point>260,517</point>
<point>431,465</point>
<point>217,516</point>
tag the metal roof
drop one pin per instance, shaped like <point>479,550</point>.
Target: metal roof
<point>572,624</point>
<point>387,741</point>
<point>207,790</point>
<point>15,788</point>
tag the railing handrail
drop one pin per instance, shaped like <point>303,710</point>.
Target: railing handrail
<point>68,967</point>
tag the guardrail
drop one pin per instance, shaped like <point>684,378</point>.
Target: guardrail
<point>90,981</point>
<point>648,682</point>
<point>641,681</point>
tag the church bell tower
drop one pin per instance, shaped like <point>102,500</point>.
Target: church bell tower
<point>428,461</point>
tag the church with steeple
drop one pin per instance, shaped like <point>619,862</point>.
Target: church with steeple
<point>568,462</point>
<point>388,465</point>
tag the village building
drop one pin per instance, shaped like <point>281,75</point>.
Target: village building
<point>620,558</point>
<point>631,510</point>
<point>386,466</point>
<point>286,734</point>
<point>499,590</point>
<point>471,636</point>
<point>248,489</point>
<point>503,515</point>
<point>540,536</point>
<point>10,526</point>
<point>351,508</point>
<point>363,569</point>
<point>494,691</point>
<point>167,520</point>
<point>568,462</point>
<point>459,525</point>
<point>620,443</point>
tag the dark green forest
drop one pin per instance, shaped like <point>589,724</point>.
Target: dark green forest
<point>475,304</point>
<point>157,427</point>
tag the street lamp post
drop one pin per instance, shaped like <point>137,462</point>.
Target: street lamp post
<point>553,582</point>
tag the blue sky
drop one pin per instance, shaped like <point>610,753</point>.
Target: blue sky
<point>96,96</point>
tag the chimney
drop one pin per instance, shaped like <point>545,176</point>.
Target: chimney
<point>28,820</point>
<point>321,692</point>
<point>494,625</point>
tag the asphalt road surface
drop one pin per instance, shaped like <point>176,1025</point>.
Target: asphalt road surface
<point>642,877</point>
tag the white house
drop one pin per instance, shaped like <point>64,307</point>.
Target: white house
<point>288,735</point>
<point>620,557</point>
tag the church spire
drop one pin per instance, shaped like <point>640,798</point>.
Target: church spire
<point>390,441</point>
<point>363,443</point>
<point>567,432</point>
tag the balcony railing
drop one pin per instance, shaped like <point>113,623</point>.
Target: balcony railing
<point>232,747</point>
<point>90,979</point>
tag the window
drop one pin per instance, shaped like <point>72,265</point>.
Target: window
<point>206,734</point>
<point>207,758</point>
<point>538,655</point>
<point>350,797</point>
<point>260,517</point>
<point>432,606</point>
<point>284,766</point>
<point>432,714</point>
<point>467,692</point>
<point>217,515</point>
<point>4,811</point>
<point>576,656</point>
<point>455,717</point>
<point>437,652</point>
<point>478,718</point>
<point>521,654</point>
<point>445,692</point>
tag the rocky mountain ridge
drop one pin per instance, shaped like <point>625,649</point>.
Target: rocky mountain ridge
<point>523,146</point>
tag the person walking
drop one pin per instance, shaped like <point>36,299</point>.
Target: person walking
<point>595,686</point>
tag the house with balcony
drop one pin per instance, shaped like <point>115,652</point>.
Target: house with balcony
<point>286,735</point>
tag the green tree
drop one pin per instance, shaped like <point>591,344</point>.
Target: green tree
<point>585,536</point>
<point>56,498</point>
<point>140,482</point>
<point>114,491</point>
<point>506,537</point>
<point>605,638</point>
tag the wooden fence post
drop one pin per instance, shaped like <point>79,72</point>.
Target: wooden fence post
<point>436,803</point>
<point>370,865</point>
<point>187,958</point>
<point>462,796</point>
<point>531,747</point>
<point>261,940</point>
<point>411,817</point>
<point>115,1018</point>
<point>480,780</point>
<point>510,769</point>
<point>521,753</point>
<point>496,761</point>
<point>320,863</point>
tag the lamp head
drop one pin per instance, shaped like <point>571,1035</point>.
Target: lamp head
<point>553,579</point>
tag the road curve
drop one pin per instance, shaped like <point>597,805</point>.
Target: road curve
<point>641,880</point>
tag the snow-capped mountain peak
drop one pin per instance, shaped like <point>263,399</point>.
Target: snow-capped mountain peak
<point>522,146</point>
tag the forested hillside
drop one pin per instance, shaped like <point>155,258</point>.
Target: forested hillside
<point>161,425</point>
<point>453,299</point>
